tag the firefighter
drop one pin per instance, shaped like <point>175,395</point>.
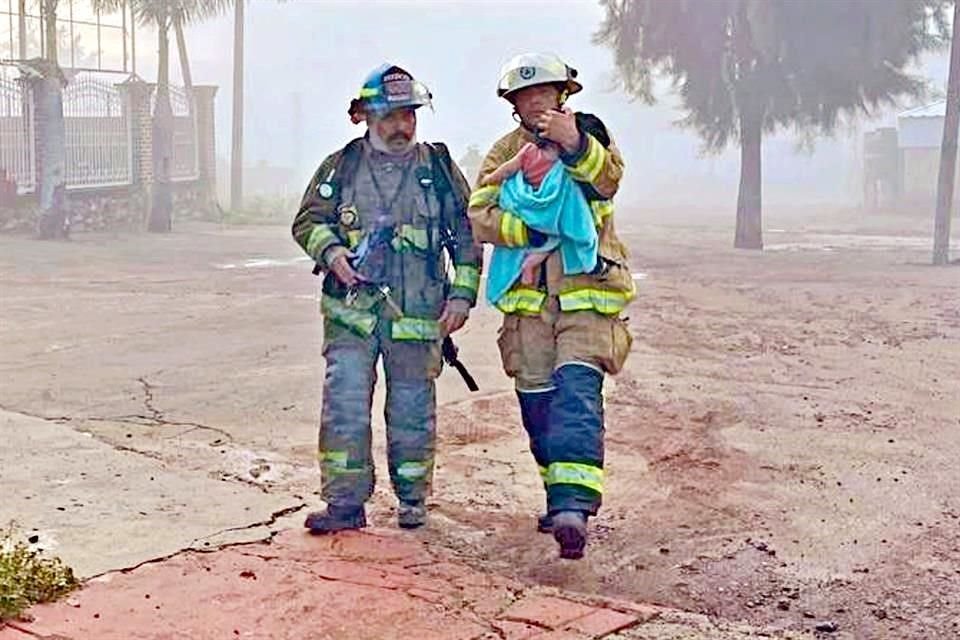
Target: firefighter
<point>562,334</point>
<point>385,219</point>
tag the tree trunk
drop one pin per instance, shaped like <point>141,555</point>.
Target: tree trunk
<point>749,234</point>
<point>161,201</point>
<point>22,29</point>
<point>50,25</point>
<point>948,152</point>
<point>236,156</point>
<point>51,190</point>
<point>184,62</point>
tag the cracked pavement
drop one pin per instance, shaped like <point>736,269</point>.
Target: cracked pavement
<point>154,406</point>
<point>370,585</point>
<point>104,507</point>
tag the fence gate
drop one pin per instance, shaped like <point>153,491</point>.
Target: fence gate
<point>97,126</point>
<point>185,147</point>
<point>16,134</point>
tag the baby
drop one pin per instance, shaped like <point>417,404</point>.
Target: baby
<point>534,162</point>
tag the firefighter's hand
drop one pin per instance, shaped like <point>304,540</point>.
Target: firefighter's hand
<point>560,127</point>
<point>454,316</point>
<point>340,267</point>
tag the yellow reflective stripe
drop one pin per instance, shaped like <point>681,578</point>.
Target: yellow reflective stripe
<point>412,470</point>
<point>590,166</point>
<point>319,239</point>
<point>407,328</point>
<point>544,471</point>
<point>602,301</point>
<point>411,236</point>
<point>354,238</point>
<point>485,196</point>
<point>467,277</point>
<point>356,319</point>
<point>583,475</point>
<point>522,300</point>
<point>334,458</point>
<point>367,92</point>
<point>602,209</point>
<point>336,462</point>
<point>513,230</point>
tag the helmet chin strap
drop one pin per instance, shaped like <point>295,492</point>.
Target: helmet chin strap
<point>519,120</point>
<point>561,100</point>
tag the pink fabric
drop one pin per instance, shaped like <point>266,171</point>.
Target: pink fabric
<point>536,162</point>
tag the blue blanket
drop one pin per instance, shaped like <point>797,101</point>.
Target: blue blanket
<point>559,210</point>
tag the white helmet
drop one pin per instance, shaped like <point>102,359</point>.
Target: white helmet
<point>529,69</point>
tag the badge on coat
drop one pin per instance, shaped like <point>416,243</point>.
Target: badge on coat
<point>347,214</point>
<point>424,177</point>
<point>325,190</point>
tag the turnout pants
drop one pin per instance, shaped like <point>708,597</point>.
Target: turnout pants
<point>411,368</point>
<point>559,360</point>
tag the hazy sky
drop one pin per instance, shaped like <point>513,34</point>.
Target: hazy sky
<point>321,50</point>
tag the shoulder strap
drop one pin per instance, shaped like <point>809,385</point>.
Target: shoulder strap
<point>440,161</point>
<point>589,123</point>
<point>347,165</point>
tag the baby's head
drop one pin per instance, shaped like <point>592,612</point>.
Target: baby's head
<point>548,148</point>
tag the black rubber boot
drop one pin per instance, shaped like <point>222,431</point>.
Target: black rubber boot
<point>336,519</point>
<point>545,523</point>
<point>534,411</point>
<point>570,532</point>
<point>411,515</point>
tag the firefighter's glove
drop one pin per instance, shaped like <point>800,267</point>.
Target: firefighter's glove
<point>344,272</point>
<point>455,314</point>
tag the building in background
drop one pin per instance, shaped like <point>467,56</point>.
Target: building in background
<point>902,163</point>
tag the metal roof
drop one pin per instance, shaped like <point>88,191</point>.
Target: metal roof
<point>936,109</point>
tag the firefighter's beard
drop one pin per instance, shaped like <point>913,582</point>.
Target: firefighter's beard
<point>397,143</point>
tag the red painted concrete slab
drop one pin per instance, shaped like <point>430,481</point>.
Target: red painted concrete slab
<point>370,585</point>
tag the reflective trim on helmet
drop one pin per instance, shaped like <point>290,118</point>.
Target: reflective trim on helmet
<point>389,87</point>
<point>530,69</point>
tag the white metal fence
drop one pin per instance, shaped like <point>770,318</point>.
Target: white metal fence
<point>98,128</point>
<point>17,134</point>
<point>98,136</point>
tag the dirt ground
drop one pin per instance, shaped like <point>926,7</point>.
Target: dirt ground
<point>782,447</point>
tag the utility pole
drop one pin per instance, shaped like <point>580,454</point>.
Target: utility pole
<point>948,151</point>
<point>236,157</point>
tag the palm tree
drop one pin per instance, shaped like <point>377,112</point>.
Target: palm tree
<point>49,8</point>
<point>165,15</point>
<point>49,104</point>
<point>746,68</point>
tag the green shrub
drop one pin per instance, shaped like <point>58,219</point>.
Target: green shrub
<point>27,577</point>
